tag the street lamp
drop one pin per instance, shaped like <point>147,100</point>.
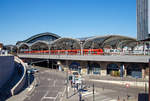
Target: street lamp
<point>81,44</point>
<point>149,79</point>
<point>93,93</point>
<point>28,77</point>
<point>66,79</point>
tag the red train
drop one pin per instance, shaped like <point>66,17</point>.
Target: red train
<point>69,52</point>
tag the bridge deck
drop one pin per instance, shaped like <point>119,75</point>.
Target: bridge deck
<point>125,58</point>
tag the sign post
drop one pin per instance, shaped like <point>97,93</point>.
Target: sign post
<point>127,86</point>
<point>28,78</point>
<point>149,80</point>
<point>93,93</point>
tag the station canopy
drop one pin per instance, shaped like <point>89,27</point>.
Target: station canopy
<point>65,44</point>
<point>111,41</point>
<point>40,45</point>
<point>45,41</point>
<point>23,46</point>
<point>48,37</point>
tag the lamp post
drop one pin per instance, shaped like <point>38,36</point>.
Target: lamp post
<point>66,79</point>
<point>81,44</point>
<point>28,77</point>
<point>93,93</point>
<point>48,52</point>
<point>149,79</point>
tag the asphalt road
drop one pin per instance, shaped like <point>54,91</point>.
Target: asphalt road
<point>111,91</point>
<point>50,86</point>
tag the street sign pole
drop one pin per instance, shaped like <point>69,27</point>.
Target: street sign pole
<point>67,80</point>
<point>149,80</point>
<point>93,92</point>
<point>28,78</point>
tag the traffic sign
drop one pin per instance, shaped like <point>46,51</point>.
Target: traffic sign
<point>127,85</point>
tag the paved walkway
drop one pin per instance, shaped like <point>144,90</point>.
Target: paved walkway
<point>128,78</point>
<point>118,80</point>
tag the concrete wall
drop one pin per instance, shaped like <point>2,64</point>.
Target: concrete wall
<point>18,87</point>
<point>6,68</point>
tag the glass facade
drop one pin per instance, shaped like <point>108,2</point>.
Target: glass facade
<point>111,41</point>
<point>65,43</point>
<point>47,38</point>
<point>142,20</point>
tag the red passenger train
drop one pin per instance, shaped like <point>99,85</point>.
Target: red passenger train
<point>69,52</point>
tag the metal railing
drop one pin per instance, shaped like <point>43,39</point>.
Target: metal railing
<point>102,53</point>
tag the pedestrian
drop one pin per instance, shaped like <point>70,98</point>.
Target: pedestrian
<point>77,85</point>
<point>71,83</point>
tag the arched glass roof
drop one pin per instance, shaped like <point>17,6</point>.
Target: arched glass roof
<point>39,45</point>
<point>54,42</point>
<point>49,37</point>
<point>23,46</point>
<point>65,43</point>
<point>114,41</point>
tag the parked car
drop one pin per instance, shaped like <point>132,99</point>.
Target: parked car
<point>76,74</point>
<point>76,77</point>
<point>33,70</point>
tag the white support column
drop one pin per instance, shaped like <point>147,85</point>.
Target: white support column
<point>103,72</point>
<point>143,73</point>
<point>81,44</point>
<point>125,73</point>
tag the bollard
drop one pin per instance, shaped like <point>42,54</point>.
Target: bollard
<point>103,88</point>
<point>145,88</point>
<point>128,97</point>
<point>118,99</point>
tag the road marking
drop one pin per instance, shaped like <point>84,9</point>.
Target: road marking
<point>104,98</point>
<point>54,83</point>
<point>56,96</point>
<point>89,94</point>
<point>63,94</point>
<point>113,100</point>
<point>107,99</point>
<point>48,79</point>
<point>42,77</point>
<point>100,97</point>
<point>49,98</point>
<point>44,95</point>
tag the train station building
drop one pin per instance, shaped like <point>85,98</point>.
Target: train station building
<point>109,45</point>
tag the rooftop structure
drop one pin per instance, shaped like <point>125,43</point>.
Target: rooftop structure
<point>46,41</point>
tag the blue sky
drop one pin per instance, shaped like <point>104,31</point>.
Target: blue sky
<point>20,19</point>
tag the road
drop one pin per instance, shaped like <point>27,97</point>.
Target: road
<point>105,91</point>
<point>50,86</point>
